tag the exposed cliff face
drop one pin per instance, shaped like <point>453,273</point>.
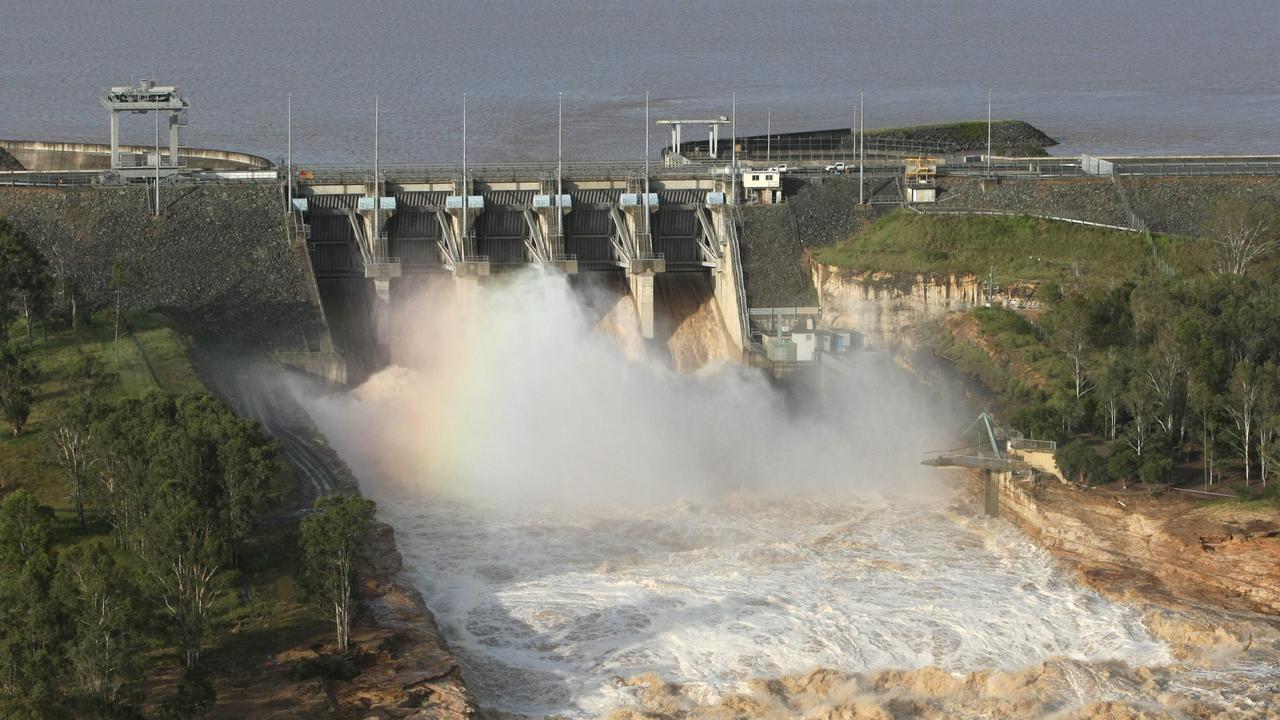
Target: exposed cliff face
<point>1195,553</point>
<point>884,307</point>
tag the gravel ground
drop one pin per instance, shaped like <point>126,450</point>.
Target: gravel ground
<point>1177,205</point>
<point>1092,199</point>
<point>217,257</point>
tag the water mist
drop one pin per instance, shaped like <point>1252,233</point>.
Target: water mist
<point>577,511</point>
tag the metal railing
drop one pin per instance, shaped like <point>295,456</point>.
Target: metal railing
<point>928,210</point>
<point>1034,445</point>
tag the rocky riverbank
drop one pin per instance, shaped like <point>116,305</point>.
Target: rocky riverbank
<point>1222,649</point>
<point>1166,549</point>
<point>406,669</point>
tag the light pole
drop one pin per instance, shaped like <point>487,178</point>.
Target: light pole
<point>648,230</point>
<point>768,136</point>
<point>560,169</point>
<point>862,133</point>
<point>988,132</point>
<point>289,151</point>
<point>377,189</point>
<point>463,245</point>
<point>733,153</point>
<point>157,163</point>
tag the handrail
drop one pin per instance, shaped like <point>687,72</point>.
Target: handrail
<point>735,257</point>
<point>1009,213</point>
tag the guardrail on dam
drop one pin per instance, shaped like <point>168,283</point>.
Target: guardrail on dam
<point>591,218</point>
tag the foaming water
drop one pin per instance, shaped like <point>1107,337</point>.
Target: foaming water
<point>548,611</point>
<point>578,513</point>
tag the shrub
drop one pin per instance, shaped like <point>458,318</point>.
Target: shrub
<point>325,667</point>
<point>1124,464</point>
<point>1078,461</point>
<point>1155,469</point>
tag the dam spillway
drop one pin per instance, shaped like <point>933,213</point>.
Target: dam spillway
<point>364,238</point>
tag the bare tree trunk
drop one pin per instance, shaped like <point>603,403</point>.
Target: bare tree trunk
<point>26,312</point>
<point>115,344</point>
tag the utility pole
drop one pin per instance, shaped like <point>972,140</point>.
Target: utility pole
<point>377,187</point>
<point>988,132</point>
<point>733,153</point>
<point>560,169</point>
<point>289,151</point>
<point>158,163</point>
<point>768,135</point>
<point>861,134</point>
<point>648,230</point>
<point>465,191</point>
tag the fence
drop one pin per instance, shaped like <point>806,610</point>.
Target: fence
<point>1007,213</point>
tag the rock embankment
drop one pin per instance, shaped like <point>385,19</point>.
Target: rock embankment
<point>1217,555</point>
<point>1008,137</point>
<point>9,162</point>
<point>773,264</point>
<point>1089,199</point>
<point>217,255</point>
<point>1178,206</point>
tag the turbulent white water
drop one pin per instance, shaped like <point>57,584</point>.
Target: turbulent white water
<point>575,518</point>
<point>547,611</point>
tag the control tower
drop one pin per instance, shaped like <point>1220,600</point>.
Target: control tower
<point>147,97</point>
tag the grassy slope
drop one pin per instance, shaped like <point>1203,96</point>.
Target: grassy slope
<point>1018,249</point>
<point>154,357</point>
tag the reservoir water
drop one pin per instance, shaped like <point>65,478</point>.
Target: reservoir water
<point>1144,76</point>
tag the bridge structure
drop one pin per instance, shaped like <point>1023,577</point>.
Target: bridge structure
<point>576,219</point>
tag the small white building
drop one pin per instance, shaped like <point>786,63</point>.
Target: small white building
<point>764,186</point>
<point>921,180</point>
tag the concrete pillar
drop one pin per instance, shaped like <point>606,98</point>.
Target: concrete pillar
<point>382,315</point>
<point>173,139</point>
<point>642,293</point>
<point>115,139</point>
<point>991,480</point>
<point>725,279</point>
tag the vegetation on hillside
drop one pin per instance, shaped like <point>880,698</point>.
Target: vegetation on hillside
<point>1017,249</point>
<point>130,499</point>
<point>1158,371</point>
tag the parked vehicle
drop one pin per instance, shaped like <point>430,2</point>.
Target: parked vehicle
<point>779,168</point>
<point>836,169</point>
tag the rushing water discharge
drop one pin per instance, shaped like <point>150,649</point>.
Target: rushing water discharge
<point>576,518</point>
<point>546,610</point>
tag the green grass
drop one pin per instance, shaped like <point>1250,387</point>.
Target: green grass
<point>1017,249</point>
<point>154,357</point>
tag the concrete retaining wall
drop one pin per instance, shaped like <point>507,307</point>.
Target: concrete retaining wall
<point>48,156</point>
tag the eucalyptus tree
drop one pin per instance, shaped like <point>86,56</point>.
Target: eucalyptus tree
<point>332,538</point>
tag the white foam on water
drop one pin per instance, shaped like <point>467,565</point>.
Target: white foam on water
<point>575,517</point>
<point>547,611</point>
